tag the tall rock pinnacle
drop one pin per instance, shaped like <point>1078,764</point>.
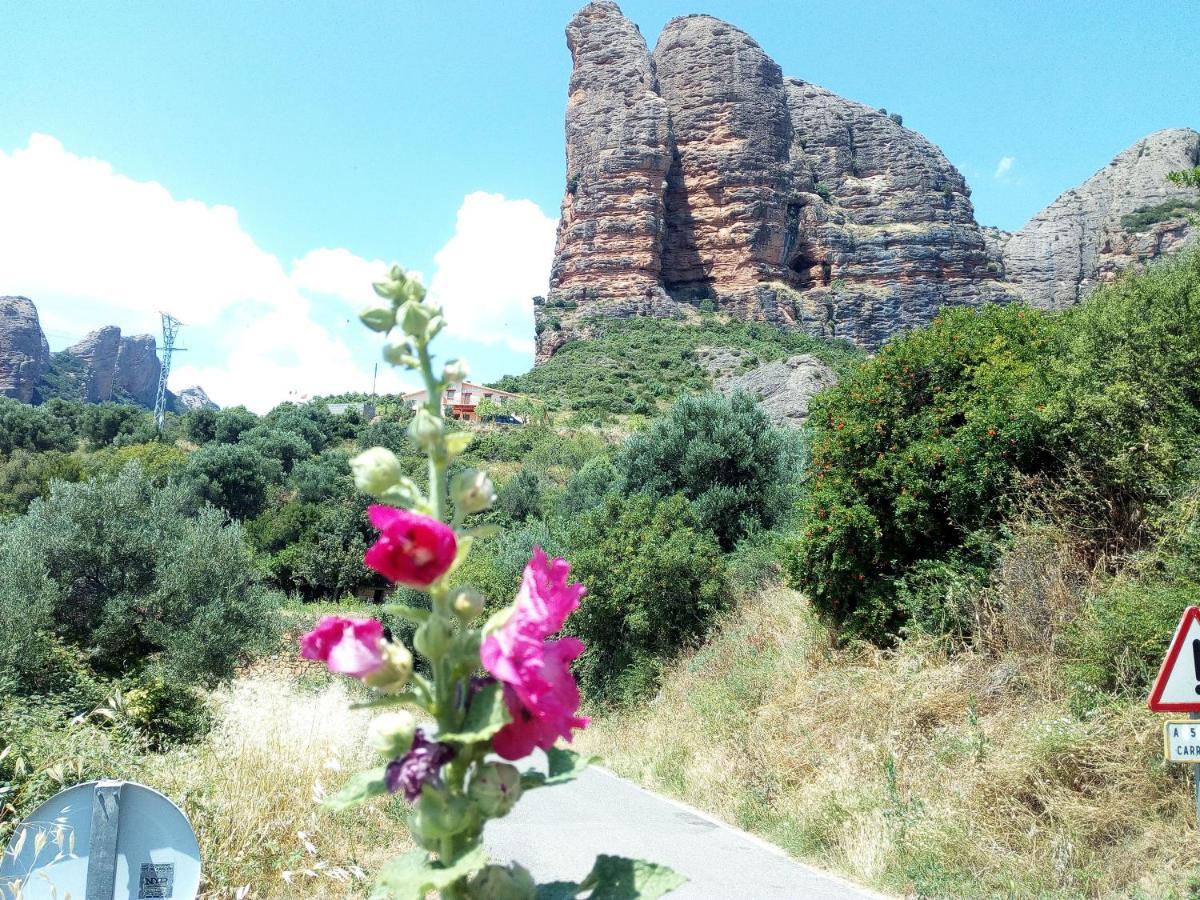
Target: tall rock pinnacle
<point>24,353</point>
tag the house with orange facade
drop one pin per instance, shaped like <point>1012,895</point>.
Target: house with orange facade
<point>461,399</point>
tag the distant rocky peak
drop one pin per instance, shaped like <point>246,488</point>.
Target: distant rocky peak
<point>24,353</point>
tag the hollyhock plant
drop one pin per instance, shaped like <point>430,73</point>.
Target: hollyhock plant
<point>539,689</point>
<point>412,549</point>
<point>503,689</point>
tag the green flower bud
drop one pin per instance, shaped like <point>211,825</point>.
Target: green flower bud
<point>497,882</point>
<point>375,470</point>
<point>426,429</point>
<point>455,370</point>
<point>378,318</point>
<point>467,604</point>
<point>392,677</point>
<point>433,638</point>
<point>442,816</point>
<point>464,650</point>
<point>472,491</point>
<point>414,318</point>
<point>392,733</point>
<point>403,493</point>
<point>399,352</point>
<point>436,324</point>
<point>495,788</point>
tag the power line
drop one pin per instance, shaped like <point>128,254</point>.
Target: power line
<point>170,328</point>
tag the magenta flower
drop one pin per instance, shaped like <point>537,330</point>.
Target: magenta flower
<point>539,689</point>
<point>351,647</point>
<point>412,549</point>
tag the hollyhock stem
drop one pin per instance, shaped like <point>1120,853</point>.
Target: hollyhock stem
<point>437,458</point>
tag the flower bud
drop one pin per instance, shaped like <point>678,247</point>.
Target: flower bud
<point>497,882</point>
<point>403,493</point>
<point>495,788</point>
<point>426,429</point>
<point>392,733</point>
<point>467,604</point>
<point>472,491</point>
<point>392,677</point>
<point>378,318</point>
<point>375,470</point>
<point>433,638</point>
<point>414,318</point>
<point>399,352</point>
<point>455,370</point>
<point>442,816</point>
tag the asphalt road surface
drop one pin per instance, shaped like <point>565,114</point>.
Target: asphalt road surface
<point>557,832</point>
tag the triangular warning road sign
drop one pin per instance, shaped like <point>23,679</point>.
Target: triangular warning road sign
<point>1177,687</point>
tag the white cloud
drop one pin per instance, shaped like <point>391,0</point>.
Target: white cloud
<point>1003,167</point>
<point>488,273</point>
<point>78,232</point>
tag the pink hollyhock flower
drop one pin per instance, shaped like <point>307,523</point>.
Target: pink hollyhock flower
<point>351,647</point>
<point>539,689</point>
<point>412,549</point>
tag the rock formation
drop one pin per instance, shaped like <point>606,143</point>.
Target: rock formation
<point>138,368</point>
<point>193,397</point>
<point>784,387</point>
<point>1126,214</point>
<point>699,176</point>
<point>24,353</point>
<point>97,351</point>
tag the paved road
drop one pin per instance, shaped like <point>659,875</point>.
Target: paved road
<point>556,832</point>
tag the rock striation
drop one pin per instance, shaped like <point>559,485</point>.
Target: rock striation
<point>138,368</point>
<point>699,176</point>
<point>24,353</point>
<point>1125,215</point>
<point>784,388</point>
<point>97,352</point>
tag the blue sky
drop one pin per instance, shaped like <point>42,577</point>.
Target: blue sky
<point>362,127</point>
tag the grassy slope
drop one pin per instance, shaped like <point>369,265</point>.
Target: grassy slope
<point>913,771</point>
<point>656,359</point>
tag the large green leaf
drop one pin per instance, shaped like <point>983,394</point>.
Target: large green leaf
<point>616,878</point>
<point>413,875</point>
<point>564,766</point>
<point>408,613</point>
<point>361,787</point>
<point>486,715</point>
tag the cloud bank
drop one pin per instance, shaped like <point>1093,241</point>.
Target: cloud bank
<point>85,242</point>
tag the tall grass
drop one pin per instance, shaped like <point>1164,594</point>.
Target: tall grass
<point>914,770</point>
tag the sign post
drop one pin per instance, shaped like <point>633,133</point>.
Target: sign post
<point>1177,690</point>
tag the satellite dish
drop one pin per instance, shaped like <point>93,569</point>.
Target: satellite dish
<point>103,840</point>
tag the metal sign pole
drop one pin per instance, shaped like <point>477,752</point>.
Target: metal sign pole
<point>102,847</point>
<point>1196,777</point>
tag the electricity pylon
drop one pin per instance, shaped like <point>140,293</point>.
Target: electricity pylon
<point>170,328</point>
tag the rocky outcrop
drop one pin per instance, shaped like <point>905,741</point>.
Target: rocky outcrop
<point>193,397</point>
<point>138,368</point>
<point>97,352</point>
<point>784,388</point>
<point>24,353</point>
<point>700,177</point>
<point>1125,215</point>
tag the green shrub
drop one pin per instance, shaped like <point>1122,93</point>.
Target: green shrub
<point>25,427</point>
<point>165,710</point>
<point>1117,644</point>
<point>723,455</point>
<point>655,581</point>
<point>26,475</point>
<point>913,451</point>
<point>229,423</point>
<point>122,570</point>
<point>231,477</point>
<point>523,497</point>
<point>587,487</point>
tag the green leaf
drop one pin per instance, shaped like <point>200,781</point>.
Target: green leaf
<point>361,787</point>
<point>618,878</point>
<point>407,698</point>
<point>413,875</point>
<point>564,766</point>
<point>458,441</point>
<point>486,715</point>
<point>558,890</point>
<point>408,613</point>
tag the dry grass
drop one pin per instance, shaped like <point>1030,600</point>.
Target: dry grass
<point>251,788</point>
<point>915,771</point>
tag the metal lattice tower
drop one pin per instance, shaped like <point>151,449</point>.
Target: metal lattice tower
<point>170,328</point>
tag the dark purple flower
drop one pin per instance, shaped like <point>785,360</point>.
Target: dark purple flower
<point>419,766</point>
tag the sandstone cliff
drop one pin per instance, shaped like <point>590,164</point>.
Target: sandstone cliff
<point>97,352</point>
<point>138,368</point>
<point>698,177</point>
<point>1126,214</point>
<point>24,353</point>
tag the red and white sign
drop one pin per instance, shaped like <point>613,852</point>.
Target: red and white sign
<point>1177,687</point>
